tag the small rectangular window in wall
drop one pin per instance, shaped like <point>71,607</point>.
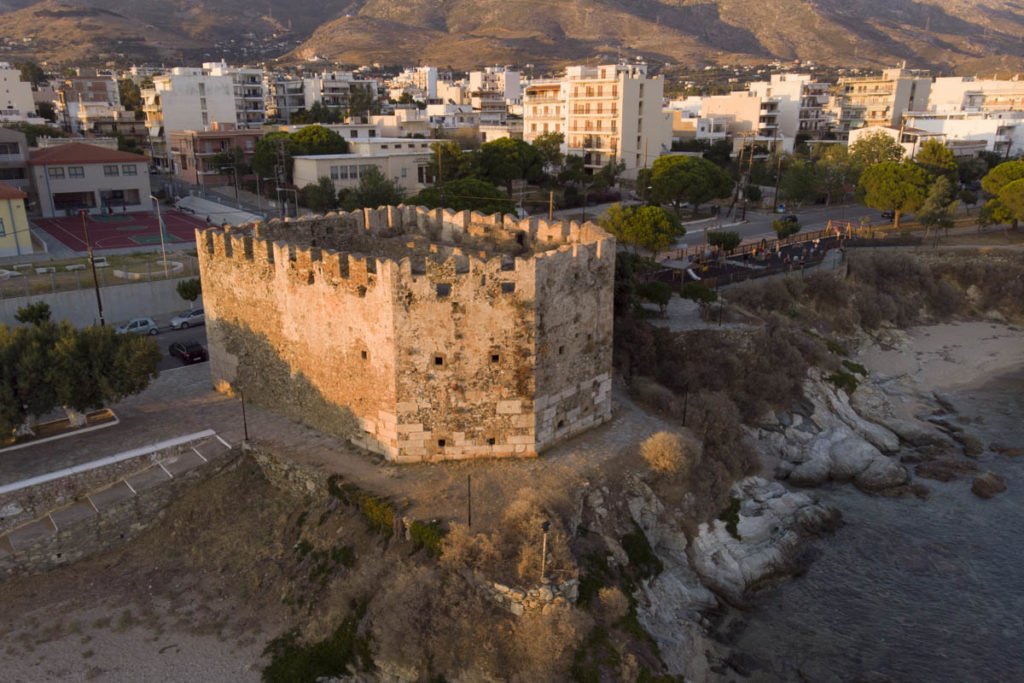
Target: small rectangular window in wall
<point>129,169</point>
<point>76,171</point>
<point>443,290</point>
<point>508,288</point>
<point>111,170</point>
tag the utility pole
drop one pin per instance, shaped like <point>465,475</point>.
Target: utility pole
<point>544,549</point>
<point>551,206</point>
<point>160,227</point>
<point>92,264</point>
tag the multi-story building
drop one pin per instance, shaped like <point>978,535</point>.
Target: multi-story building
<point>497,79</point>
<point>607,113</point>
<point>800,103</point>
<point>249,92</point>
<point>195,154</point>
<point>75,176</point>
<point>420,82</point>
<point>15,235</point>
<point>404,160</point>
<point>332,89</point>
<point>881,100</point>
<point>967,133</point>
<point>748,118</point>
<point>14,159</point>
<point>970,94</point>
<point>16,103</point>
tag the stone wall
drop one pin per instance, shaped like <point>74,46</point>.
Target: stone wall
<point>462,336</point>
<point>104,518</point>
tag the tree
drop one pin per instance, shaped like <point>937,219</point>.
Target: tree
<point>938,210</point>
<point>1011,197</point>
<point>190,290</point>
<point>835,172</point>
<point>316,139</point>
<point>719,153</point>
<point>875,149</point>
<point>799,183</point>
<point>32,73</point>
<point>320,196</point>
<point>464,194</point>
<point>374,190</point>
<point>507,159</point>
<point>318,113</point>
<point>272,156</point>
<point>994,182</point>
<point>448,162</point>
<point>47,111</point>
<point>785,228</point>
<point>937,160</point>
<point>232,161</point>
<point>33,314</point>
<point>659,293</point>
<point>644,227</point>
<point>726,240</point>
<point>677,180</point>
<point>131,94</point>
<point>362,102</point>
<point>549,148</point>
<point>894,186</point>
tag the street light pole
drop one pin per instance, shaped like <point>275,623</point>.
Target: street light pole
<point>92,264</point>
<point>160,227</point>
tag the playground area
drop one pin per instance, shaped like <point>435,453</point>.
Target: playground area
<point>121,230</point>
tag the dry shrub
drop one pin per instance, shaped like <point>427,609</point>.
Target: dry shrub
<point>665,452</point>
<point>544,643</point>
<point>612,604</point>
<point>651,394</point>
<point>435,622</point>
<point>512,553</point>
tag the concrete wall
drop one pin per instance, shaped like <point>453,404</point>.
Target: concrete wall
<point>121,302</point>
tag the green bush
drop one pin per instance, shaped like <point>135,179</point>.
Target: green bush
<point>697,291</point>
<point>844,380</point>
<point>659,293</point>
<point>856,368</point>
<point>377,512</point>
<point>641,555</point>
<point>343,653</point>
<point>427,535</point>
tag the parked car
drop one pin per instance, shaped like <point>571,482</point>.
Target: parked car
<point>139,326</point>
<point>790,218</point>
<point>188,319</point>
<point>888,215</point>
<point>189,351</point>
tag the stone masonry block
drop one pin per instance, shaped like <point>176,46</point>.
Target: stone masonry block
<point>509,407</point>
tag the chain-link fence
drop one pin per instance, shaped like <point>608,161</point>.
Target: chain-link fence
<point>50,277</point>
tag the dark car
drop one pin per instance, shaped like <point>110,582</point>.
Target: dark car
<point>188,352</point>
<point>888,215</point>
<point>789,218</point>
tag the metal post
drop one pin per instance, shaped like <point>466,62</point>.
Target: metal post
<point>544,549</point>
<point>160,227</point>
<point>92,263</point>
<point>469,501</point>
<point>245,423</point>
<point>551,206</point>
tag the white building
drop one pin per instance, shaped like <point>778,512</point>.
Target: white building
<point>70,177</point>
<point>16,103</point>
<point>607,113</point>
<point>881,100</point>
<point>967,133</point>
<point>420,82</point>
<point>800,103</point>
<point>250,92</point>
<point>405,161</point>
<point>965,93</point>
<point>910,139</point>
<point>497,79</point>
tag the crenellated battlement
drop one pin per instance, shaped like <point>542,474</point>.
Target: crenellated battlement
<point>418,333</point>
<point>419,241</point>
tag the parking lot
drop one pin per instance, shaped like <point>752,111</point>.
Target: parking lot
<point>168,336</point>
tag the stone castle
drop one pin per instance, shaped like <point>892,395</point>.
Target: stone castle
<point>421,334</point>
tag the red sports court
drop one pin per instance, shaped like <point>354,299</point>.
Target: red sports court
<point>121,230</point>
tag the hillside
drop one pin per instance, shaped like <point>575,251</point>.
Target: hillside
<point>964,34</point>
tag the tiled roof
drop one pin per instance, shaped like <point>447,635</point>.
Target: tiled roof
<point>11,192</point>
<point>81,153</point>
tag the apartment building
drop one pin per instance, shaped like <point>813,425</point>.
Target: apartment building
<point>249,91</point>
<point>492,91</point>
<point>970,94</point>
<point>607,113</point>
<point>420,82</point>
<point>15,234</point>
<point>799,103</point>
<point>908,137</point>
<point>14,159</point>
<point>16,103</point>
<point>74,176</point>
<point>194,153</point>
<point>405,161</point>
<point>881,100</point>
<point>967,133</point>
<point>331,88</point>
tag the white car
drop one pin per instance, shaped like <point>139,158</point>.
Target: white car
<point>188,319</point>
<point>138,326</point>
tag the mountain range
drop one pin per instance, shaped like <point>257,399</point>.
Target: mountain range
<point>960,35</point>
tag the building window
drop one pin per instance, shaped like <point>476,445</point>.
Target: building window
<point>405,172</point>
<point>76,171</point>
<point>353,133</point>
<point>110,170</point>
<point>129,169</point>
<point>55,171</point>
<point>3,230</point>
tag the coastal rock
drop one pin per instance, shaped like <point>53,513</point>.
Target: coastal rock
<point>945,470</point>
<point>851,456</point>
<point>988,485</point>
<point>881,474</point>
<point>1008,451</point>
<point>832,407</point>
<point>972,446</point>
<point>772,524</point>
